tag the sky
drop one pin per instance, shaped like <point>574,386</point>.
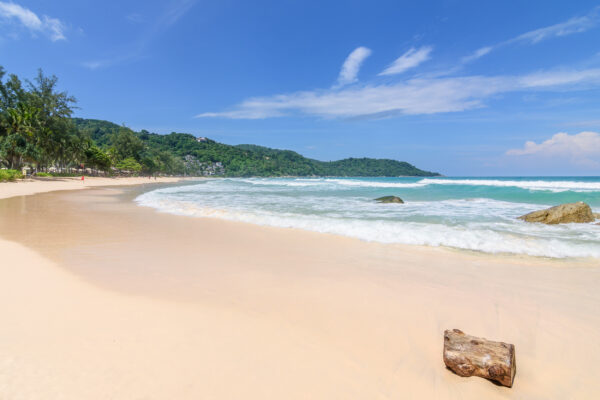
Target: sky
<point>464,88</point>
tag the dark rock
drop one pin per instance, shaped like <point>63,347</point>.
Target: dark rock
<point>389,199</point>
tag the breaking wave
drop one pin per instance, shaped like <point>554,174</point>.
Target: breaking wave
<point>457,213</point>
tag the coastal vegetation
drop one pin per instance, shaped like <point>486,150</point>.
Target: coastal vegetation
<point>10,175</point>
<point>183,153</point>
<point>37,132</point>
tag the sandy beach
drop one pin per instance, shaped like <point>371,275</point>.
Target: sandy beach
<point>103,299</point>
<point>25,187</point>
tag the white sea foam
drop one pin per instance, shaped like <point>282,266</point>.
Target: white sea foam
<point>284,182</point>
<point>328,206</point>
<point>555,186</point>
<point>375,184</point>
<point>537,185</point>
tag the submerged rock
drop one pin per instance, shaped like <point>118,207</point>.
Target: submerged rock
<point>565,213</point>
<point>389,199</point>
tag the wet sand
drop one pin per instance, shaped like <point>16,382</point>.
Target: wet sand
<point>103,299</point>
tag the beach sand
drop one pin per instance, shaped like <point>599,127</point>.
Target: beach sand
<point>24,187</point>
<point>102,299</point>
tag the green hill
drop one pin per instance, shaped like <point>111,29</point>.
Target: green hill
<point>184,153</point>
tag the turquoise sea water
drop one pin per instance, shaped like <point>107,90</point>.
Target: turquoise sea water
<point>465,213</point>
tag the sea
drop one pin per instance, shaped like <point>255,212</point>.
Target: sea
<point>468,213</point>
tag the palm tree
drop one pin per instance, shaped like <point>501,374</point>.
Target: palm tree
<point>19,144</point>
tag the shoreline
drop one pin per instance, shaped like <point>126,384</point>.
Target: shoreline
<point>30,186</point>
<point>137,303</point>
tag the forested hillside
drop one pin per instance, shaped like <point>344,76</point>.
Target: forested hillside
<point>241,160</point>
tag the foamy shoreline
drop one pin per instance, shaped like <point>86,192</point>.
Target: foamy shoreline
<point>26,187</point>
<point>124,302</point>
<point>465,217</point>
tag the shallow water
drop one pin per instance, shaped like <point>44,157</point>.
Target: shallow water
<point>465,213</point>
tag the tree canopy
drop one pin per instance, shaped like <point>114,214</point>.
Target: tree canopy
<point>170,152</point>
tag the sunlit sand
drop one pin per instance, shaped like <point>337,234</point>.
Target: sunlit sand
<point>103,299</point>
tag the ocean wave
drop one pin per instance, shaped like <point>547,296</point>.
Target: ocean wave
<point>554,186</point>
<point>375,184</point>
<point>478,224</point>
<point>326,182</point>
<point>295,182</point>
<point>536,185</point>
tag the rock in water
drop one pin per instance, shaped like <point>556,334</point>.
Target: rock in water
<point>390,199</point>
<point>597,215</point>
<point>469,355</point>
<point>565,213</point>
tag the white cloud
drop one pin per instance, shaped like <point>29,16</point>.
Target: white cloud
<point>566,28</point>
<point>351,66</point>
<point>412,97</point>
<point>477,54</point>
<point>409,97</point>
<point>55,28</point>
<point>582,148</point>
<point>51,27</point>
<point>569,27</point>
<point>408,60</point>
<point>561,77</point>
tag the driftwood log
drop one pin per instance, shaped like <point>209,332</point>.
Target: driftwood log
<point>469,355</point>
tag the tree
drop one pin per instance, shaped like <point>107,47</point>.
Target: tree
<point>96,158</point>
<point>57,138</point>
<point>18,142</point>
<point>126,144</point>
<point>130,165</point>
<point>35,123</point>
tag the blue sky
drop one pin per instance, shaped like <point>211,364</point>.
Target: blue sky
<point>460,87</point>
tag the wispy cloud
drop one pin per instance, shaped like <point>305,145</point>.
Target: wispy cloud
<point>582,148</point>
<point>561,78</point>
<point>477,54</point>
<point>410,97</point>
<point>566,28</point>
<point>174,11</point>
<point>51,27</point>
<point>351,66</point>
<point>408,60</point>
<point>569,27</point>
